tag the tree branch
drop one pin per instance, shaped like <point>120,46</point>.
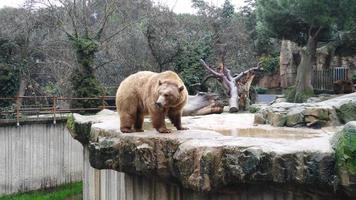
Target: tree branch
<point>122,29</point>
<point>108,13</point>
<point>105,63</point>
<point>215,73</point>
<point>310,30</point>
<point>317,32</point>
<point>239,76</point>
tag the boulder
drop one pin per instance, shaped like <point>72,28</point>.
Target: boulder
<point>325,113</point>
<point>295,117</point>
<point>347,112</point>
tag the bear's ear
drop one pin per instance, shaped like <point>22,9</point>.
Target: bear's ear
<point>181,88</point>
<point>159,82</point>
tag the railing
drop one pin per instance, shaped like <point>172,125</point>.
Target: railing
<point>324,79</point>
<point>51,106</point>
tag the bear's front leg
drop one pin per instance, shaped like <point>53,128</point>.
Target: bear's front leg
<point>175,117</point>
<point>158,122</point>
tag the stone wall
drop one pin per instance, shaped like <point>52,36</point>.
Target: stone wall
<point>289,60</point>
<point>35,156</point>
<point>270,81</point>
<point>113,185</point>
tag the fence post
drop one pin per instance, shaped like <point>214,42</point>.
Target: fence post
<point>54,109</point>
<point>17,111</point>
<point>102,102</point>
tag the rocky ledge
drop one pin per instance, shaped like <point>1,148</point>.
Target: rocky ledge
<point>206,160</point>
<point>334,111</point>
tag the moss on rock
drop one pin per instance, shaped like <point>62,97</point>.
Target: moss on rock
<point>79,131</point>
<point>346,148</point>
<point>345,151</point>
<point>347,112</point>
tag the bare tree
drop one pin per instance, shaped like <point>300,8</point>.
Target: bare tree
<point>229,81</point>
<point>162,35</point>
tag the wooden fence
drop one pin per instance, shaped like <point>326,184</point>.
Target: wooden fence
<point>49,106</point>
<point>324,79</point>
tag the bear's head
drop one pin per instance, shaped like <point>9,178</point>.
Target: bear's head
<point>169,94</point>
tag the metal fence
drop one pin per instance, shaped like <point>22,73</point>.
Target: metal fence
<point>324,79</point>
<point>22,107</point>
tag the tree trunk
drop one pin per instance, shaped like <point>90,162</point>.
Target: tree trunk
<point>233,98</point>
<point>303,87</point>
<point>22,89</point>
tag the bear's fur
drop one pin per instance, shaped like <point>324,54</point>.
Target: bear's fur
<point>157,94</point>
<point>343,87</point>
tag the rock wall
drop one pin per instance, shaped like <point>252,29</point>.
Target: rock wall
<point>289,60</point>
<point>113,185</point>
<point>203,164</point>
<point>36,156</point>
<point>331,112</point>
<point>270,81</point>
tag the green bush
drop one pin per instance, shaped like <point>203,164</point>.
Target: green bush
<point>291,96</point>
<point>353,78</point>
<point>253,109</point>
<point>9,83</point>
<point>86,86</point>
<point>261,90</point>
<point>188,66</point>
<point>270,64</point>
<point>346,149</point>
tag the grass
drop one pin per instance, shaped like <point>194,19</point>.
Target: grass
<point>71,191</point>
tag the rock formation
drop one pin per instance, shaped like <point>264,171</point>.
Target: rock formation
<point>334,111</point>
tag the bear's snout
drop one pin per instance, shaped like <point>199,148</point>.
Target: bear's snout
<point>158,104</point>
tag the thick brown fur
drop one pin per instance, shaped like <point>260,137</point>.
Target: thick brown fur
<point>343,87</point>
<point>155,94</point>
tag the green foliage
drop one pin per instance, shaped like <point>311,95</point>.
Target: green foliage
<point>85,86</point>
<point>51,89</point>
<point>347,112</point>
<point>188,65</point>
<point>227,10</point>
<point>9,72</point>
<point>353,78</point>
<point>261,90</point>
<point>253,109</point>
<point>83,80</point>
<point>270,64</point>
<point>346,149</point>
<point>303,96</point>
<point>292,19</point>
<point>85,48</point>
<point>262,42</point>
<point>9,83</point>
<point>292,96</point>
<point>71,191</point>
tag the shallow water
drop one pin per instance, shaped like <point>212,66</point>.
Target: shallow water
<point>265,133</point>
<point>242,126</point>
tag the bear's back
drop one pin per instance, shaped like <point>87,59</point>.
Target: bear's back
<point>170,75</point>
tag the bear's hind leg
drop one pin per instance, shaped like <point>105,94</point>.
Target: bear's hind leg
<point>139,122</point>
<point>126,123</point>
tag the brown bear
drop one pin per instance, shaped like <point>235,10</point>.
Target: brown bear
<point>157,94</point>
<point>343,87</point>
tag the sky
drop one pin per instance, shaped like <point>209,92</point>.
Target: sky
<point>178,6</point>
